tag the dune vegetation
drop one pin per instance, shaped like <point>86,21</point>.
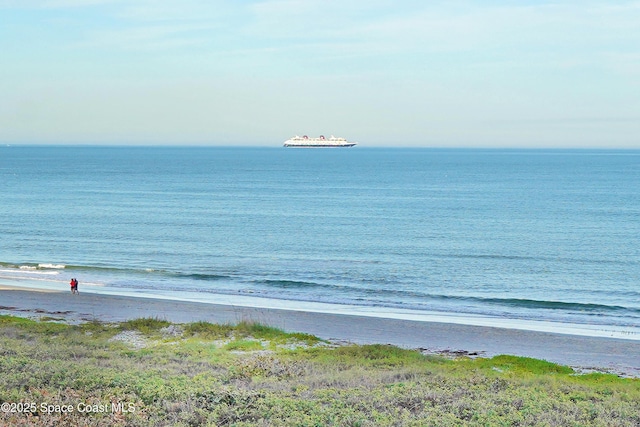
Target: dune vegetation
<point>148,372</point>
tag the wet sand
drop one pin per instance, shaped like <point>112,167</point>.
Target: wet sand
<point>609,354</point>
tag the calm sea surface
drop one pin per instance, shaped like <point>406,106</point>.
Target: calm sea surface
<point>515,237</point>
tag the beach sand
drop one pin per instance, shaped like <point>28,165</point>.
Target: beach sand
<point>585,353</point>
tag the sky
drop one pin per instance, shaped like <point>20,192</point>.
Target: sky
<point>495,73</point>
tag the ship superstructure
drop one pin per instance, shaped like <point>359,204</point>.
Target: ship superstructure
<point>320,142</point>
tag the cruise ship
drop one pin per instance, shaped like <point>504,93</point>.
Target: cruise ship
<point>321,141</point>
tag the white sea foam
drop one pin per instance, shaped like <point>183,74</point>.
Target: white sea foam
<point>28,267</point>
<point>54,266</point>
<point>28,272</point>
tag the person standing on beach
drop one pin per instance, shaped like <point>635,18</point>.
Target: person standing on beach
<point>74,286</point>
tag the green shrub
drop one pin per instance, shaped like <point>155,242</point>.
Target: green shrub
<point>146,325</point>
<point>208,330</point>
<point>244,345</point>
<point>521,365</point>
<point>259,330</point>
<point>28,325</point>
<point>378,354</point>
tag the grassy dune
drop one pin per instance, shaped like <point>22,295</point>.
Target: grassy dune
<point>147,372</point>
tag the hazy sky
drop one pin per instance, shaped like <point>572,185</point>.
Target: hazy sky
<point>396,73</point>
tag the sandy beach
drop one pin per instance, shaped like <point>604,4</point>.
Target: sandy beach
<point>614,355</point>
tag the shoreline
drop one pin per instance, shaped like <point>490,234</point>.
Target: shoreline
<point>584,353</point>
<point>267,303</point>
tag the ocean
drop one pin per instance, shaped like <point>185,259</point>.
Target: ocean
<point>532,239</point>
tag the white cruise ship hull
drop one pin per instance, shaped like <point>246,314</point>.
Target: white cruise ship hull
<point>296,145</point>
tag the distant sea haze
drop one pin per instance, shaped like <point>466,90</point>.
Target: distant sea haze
<point>514,238</point>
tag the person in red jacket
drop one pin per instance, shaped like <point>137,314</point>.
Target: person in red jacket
<point>74,286</point>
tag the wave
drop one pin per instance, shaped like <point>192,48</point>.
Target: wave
<point>567,306</point>
<point>151,272</point>
<point>289,283</point>
<point>537,258</point>
<point>31,266</point>
<point>374,293</point>
<point>407,297</point>
<point>584,307</point>
<point>201,276</point>
<point>52,266</point>
<point>559,305</point>
<point>301,284</point>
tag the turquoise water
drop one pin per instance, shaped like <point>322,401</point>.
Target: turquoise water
<point>509,235</point>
